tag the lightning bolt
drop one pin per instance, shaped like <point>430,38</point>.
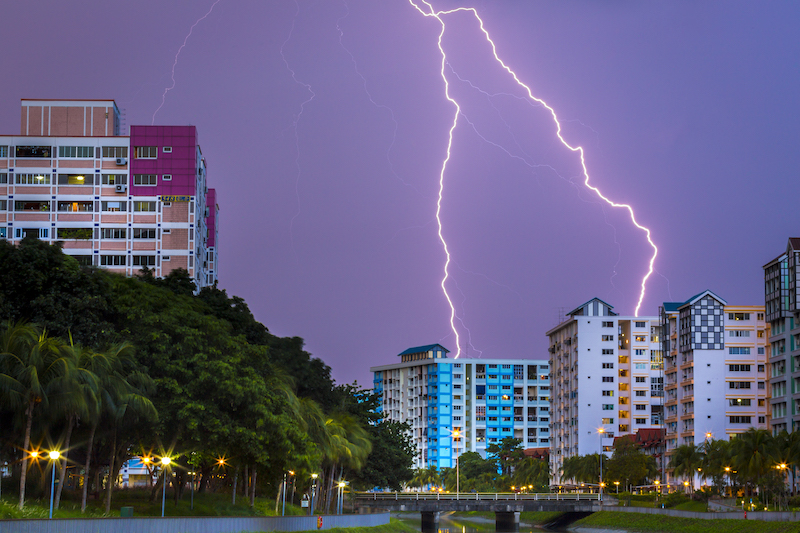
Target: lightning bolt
<point>429,11</point>
<point>175,63</point>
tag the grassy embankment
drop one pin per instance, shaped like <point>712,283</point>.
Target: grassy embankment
<point>642,523</point>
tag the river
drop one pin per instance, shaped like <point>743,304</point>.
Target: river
<point>454,523</point>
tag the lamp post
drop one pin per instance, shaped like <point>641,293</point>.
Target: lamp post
<point>313,493</point>
<point>601,431</point>
<point>164,464</point>
<point>617,484</point>
<point>340,498</point>
<point>458,486</point>
<point>54,456</point>
<point>283,507</point>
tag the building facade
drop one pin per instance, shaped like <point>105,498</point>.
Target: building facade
<point>462,405</point>
<point>116,202</point>
<point>715,370</point>
<point>606,381</point>
<point>783,316</point>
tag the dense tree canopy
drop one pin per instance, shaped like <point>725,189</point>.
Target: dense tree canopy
<point>143,366</point>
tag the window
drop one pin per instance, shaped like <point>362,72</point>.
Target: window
<point>760,316</point>
<point>144,207</point>
<point>115,151</point>
<point>75,151</point>
<point>739,402</point>
<point>641,420</point>
<point>641,393</point>
<point>3,233</point>
<point>3,177</point>
<point>144,233</point>
<point>29,205</point>
<point>738,316</point>
<point>75,179</point>
<point>760,350</point>
<point>608,365</point>
<point>32,179</point>
<point>735,350</point>
<point>640,366</point>
<point>608,407</point>
<point>739,385</point>
<point>75,233</point>
<point>607,421</point>
<point>145,179</point>
<point>639,352</point>
<point>739,368</point>
<point>640,324</point>
<point>33,151</point>
<point>144,260</point>
<point>76,207</point>
<point>166,177</point>
<point>608,393</point>
<point>167,149</point>
<point>641,379</point>
<point>3,205</point>
<point>114,233</point>
<point>115,179</point>
<point>740,419</point>
<point>739,333</point>
<point>112,260</point>
<point>3,151</point>
<point>608,379</point>
<point>761,385</point>
<point>114,206</point>
<point>640,338</point>
<point>761,368</point>
<point>608,351</point>
<point>608,337</point>
<point>608,324</point>
<point>641,407</point>
<point>145,152</point>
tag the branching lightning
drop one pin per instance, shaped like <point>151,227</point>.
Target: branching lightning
<point>439,16</point>
<point>175,63</point>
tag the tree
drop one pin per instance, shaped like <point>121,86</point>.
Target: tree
<point>532,471</point>
<point>686,460</point>
<point>33,370</point>
<point>582,468</point>
<point>716,457</point>
<point>507,452</point>
<point>753,454</point>
<point>629,463</point>
<point>389,462</point>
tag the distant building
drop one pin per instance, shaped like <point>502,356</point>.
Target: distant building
<point>116,202</point>
<point>462,405</point>
<point>781,291</point>
<point>715,369</point>
<point>606,381</point>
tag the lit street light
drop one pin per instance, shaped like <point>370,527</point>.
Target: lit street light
<point>164,463</point>
<point>54,456</point>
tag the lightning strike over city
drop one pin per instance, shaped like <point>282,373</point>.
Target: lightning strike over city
<point>440,16</point>
<point>376,176</point>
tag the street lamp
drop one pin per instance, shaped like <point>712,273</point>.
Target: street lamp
<point>455,436</point>
<point>617,484</point>
<point>283,508</point>
<point>54,456</point>
<point>601,431</point>
<point>164,464</point>
<point>313,492</point>
<point>340,497</point>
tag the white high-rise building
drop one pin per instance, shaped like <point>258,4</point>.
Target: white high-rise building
<point>715,369</point>
<point>606,381</point>
<point>462,405</point>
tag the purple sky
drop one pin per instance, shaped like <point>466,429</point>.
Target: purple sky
<point>324,125</point>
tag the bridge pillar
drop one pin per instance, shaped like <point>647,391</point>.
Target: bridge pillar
<point>430,521</point>
<point>506,521</point>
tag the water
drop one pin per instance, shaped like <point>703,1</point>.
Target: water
<point>453,523</point>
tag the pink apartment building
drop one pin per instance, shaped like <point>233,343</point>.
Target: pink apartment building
<point>115,202</point>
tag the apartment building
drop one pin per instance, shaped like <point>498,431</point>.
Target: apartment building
<point>461,405</point>
<point>116,202</point>
<point>783,316</point>
<point>715,369</point>
<point>606,381</point>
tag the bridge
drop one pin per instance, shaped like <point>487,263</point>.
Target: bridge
<point>506,506</point>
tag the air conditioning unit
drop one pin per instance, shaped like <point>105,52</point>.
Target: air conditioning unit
<point>120,188</point>
<point>122,161</point>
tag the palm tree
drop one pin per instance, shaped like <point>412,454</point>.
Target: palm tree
<point>754,454</point>
<point>532,471</point>
<point>33,369</point>
<point>716,456</point>
<point>685,461</point>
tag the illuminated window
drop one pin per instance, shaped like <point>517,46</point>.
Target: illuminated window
<point>145,152</point>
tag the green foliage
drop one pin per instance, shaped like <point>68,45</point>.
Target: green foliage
<point>629,465</point>
<point>75,233</point>
<point>389,464</point>
<point>646,523</point>
<point>674,498</point>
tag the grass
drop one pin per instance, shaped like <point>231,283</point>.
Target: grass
<point>642,523</point>
<point>208,504</point>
